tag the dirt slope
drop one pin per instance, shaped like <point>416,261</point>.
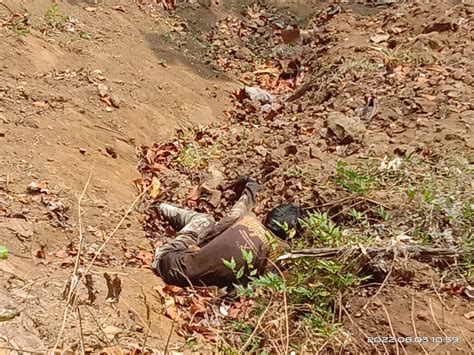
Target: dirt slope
<point>77,95</point>
<point>89,88</point>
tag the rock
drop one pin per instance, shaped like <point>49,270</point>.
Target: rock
<point>112,331</point>
<point>277,154</point>
<point>102,90</point>
<point>315,151</point>
<point>212,178</point>
<point>256,94</point>
<point>109,109</point>
<point>115,101</point>
<point>21,227</point>
<point>215,198</point>
<point>344,129</point>
<point>244,53</point>
<point>379,38</point>
<point>8,309</point>
<point>422,316</point>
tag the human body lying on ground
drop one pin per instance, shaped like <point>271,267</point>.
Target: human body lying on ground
<point>196,255</point>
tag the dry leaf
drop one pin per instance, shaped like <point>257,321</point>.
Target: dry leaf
<point>41,252</point>
<point>40,186</point>
<point>139,184</point>
<point>197,308</point>
<point>161,292</point>
<point>291,36</point>
<point>437,68</point>
<point>170,308</point>
<point>114,288</point>
<point>428,97</point>
<point>195,193</point>
<point>155,190</point>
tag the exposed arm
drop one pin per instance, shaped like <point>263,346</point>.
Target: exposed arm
<point>244,204</point>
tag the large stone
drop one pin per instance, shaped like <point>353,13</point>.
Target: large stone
<point>212,178</point>
<point>344,129</point>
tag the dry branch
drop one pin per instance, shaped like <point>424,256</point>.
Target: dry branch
<point>415,251</point>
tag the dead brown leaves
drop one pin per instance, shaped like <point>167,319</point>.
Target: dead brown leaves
<point>200,312</point>
<point>114,288</point>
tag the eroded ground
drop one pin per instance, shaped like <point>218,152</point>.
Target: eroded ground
<point>385,91</point>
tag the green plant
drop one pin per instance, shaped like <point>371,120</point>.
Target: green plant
<point>315,283</point>
<point>297,171</point>
<point>382,213</point>
<point>54,18</point>
<point>357,215</point>
<point>163,62</point>
<point>20,27</point>
<point>411,192</point>
<point>354,181</point>
<point>3,252</point>
<point>394,54</point>
<point>319,230</point>
<point>428,194</point>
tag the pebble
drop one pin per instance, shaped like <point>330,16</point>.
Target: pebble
<point>115,100</point>
<point>102,89</point>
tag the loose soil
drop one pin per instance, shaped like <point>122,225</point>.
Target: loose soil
<point>91,96</point>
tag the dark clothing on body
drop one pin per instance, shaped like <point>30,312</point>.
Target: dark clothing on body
<point>195,256</point>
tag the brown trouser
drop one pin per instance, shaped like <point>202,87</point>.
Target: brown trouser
<point>195,255</point>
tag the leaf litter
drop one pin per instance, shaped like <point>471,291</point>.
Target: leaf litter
<point>308,99</point>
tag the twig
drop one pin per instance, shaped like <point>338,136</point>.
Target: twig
<point>391,328</point>
<point>114,231</point>
<point>439,296</point>
<point>285,303</point>
<point>346,208</point>
<point>259,321</point>
<point>6,7</point>
<point>461,331</point>
<point>99,326</point>
<point>22,351</point>
<point>415,331</point>
<point>364,308</point>
<point>362,331</point>
<point>332,203</point>
<point>138,314</point>
<point>434,319</point>
<point>74,277</point>
<point>81,331</point>
<point>418,252</point>
<point>169,338</point>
